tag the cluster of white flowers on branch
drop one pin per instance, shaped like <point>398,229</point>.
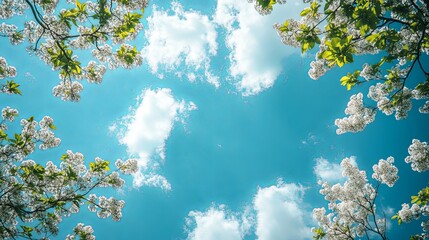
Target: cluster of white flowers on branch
<point>359,117</point>
<point>419,209</point>
<point>6,71</point>
<point>352,204</point>
<point>81,231</point>
<point>419,156</point>
<point>99,26</point>
<point>398,31</point>
<point>32,193</point>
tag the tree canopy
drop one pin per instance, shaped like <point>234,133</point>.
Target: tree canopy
<point>55,32</point>
<point>396,33</point>
<point>35,197</point>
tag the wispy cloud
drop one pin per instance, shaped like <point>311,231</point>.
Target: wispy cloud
<point>311,139</point>
<point>146,128</point>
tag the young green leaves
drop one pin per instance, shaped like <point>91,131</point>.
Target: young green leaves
<point>340,51</point>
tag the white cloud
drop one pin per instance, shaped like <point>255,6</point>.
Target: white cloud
<point>216,223</point>
<point>326,171</point>
<point>185,41</point>
<point>257,55</point>
<point>178,37</point>
<point>330,172</point>
<point>146,129</point>
<point>279,213</point>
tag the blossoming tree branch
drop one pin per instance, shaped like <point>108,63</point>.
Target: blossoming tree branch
<point>396,33</point>
<point>53,32</point>
<point>34,198</point>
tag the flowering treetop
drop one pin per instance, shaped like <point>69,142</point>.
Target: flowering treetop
<point>103,27</point>
<point>397,32</point>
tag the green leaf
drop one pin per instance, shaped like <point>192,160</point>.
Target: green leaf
<point>3,135</point>
<point>13,87</point>
<point>99,166</point>
<point>396,216</point>
<point>350,80</point>
<point>27,230</point>
<point>305,12</point>
<point>266,4</point>
<point>318,233</point>
<point>64,157</point>
<point>52,126</point>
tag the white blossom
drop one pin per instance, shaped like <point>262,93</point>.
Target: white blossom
<point>9,114</point>
<point>385,172</point>
<point>318,68</point>
<point>69,183</point>
<point>359,117</point>
<point>93,72</point>
<point>6,70</point>
<point>350,205</point>
<point>419,156</point>
<point>68,91</point>
<point>369,73</point>
<point>408,214</point>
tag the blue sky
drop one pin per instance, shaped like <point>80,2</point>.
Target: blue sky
<point>226,122</point>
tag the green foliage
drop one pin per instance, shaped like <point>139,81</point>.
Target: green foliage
<point>62,57</point>
<point>99,166</point>
<point>70,16</point>
<point>128,25</point>
<point>13,87</point>
<point>312,10</point>
<point>350,80</point>
<point>307,37</point>
<point>423,87</point>
<point>417,237</point>
<point>319,234</point>
<point>266,4</point>
<point>103,15</point>
<point>422,197</point>
<point>366,13</point>
<point>339,52</point>
<point>398,218</point>
<point>395,32</point>
<point>127,54</point>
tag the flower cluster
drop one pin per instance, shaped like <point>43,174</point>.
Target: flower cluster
<point>11,31</point>
<point>408,214</point>
<point>9,114</point>
<point>93,72</point>
<point>54,34</point>
<point>6,70</point>
<point>359,117</point>
<point>45,194</point>
<point>343,29</point>
<point>419,156</point>
<point>385,172</point>
<point>68,91</point>
<point>83,232</point>
<point>352,204</point>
